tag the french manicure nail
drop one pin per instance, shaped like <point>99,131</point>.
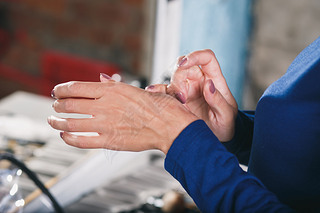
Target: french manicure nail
<point>182,62</point>
<point>105,75</point>
<point>212,88</point>
<point>150,87</point>
<point>180,97</point>
<point>49,120</point>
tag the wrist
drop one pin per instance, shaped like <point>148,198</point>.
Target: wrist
<point>176,120</point>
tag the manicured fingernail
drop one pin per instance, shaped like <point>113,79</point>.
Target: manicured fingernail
<point>180,97</point>
<point>61,135</point>
<point>150,87</point>
<point>182,62</point>
<point>212,88</point>
<point>105,75</point>
<point>52,94</point>
<point>49,120</point>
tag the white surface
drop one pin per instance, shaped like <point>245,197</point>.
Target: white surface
<point>27,104</point>
<point>88,172</point>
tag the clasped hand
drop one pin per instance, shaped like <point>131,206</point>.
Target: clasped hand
<point>200,85</point>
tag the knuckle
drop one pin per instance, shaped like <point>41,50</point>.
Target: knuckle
<point>73,86</point>
<point>82,145</point>
<point>209,51</point>
<point>71,125</point>
<point>69,105</point>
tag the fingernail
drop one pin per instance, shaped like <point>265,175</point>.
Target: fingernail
<point>180,97</point>
<point>61,135</point>
<point>105,75</point>
<point>150,87</point>
<point>212,88</point>
<point>49,120</point>
<point>52,94</point>
<point>182,62</point>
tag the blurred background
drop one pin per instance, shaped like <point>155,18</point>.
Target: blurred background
<point>43,43</point>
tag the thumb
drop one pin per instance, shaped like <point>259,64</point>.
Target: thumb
<point>221,114</point>
<point>217,103</point>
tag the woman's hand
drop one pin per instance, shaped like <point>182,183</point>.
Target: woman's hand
<point>125,117</point>
<point>199,84</point>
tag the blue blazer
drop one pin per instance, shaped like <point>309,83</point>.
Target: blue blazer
<point>280,143</point>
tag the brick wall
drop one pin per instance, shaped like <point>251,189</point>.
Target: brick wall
<point>105,30</point>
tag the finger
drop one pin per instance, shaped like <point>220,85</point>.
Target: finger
<point>104,77</point>
<point>72,124</point>
<point>79,89</point>
<point>83,142</point>
<point>167,89</point>
<point>181,76</point>
<point>206,59</point>
<point>186,82</point>
<point>73,105</point>
<point>211,69</point>
<point>160,88</point>
<point>218,105</point>
<point>93,142</point>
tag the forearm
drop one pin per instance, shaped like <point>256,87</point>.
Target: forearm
<point>212,176</point>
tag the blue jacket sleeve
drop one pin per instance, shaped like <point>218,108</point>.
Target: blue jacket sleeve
<point>241,143</point>
<point>212,176</point>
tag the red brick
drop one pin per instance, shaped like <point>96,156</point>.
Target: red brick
<point>112,14</point>
<point>82,11</point>
<point>115,26</point>
<point>25,19</point>
<point>28,41</point>
<point>23,58</point>
<point>136,3</point>
<point>13,55</point>
<point>51,7</point>
<point>67,29</point>
<point>100,36</point>
<point>133,42</point>
<point>137,23</point>
<point>136,64</point>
